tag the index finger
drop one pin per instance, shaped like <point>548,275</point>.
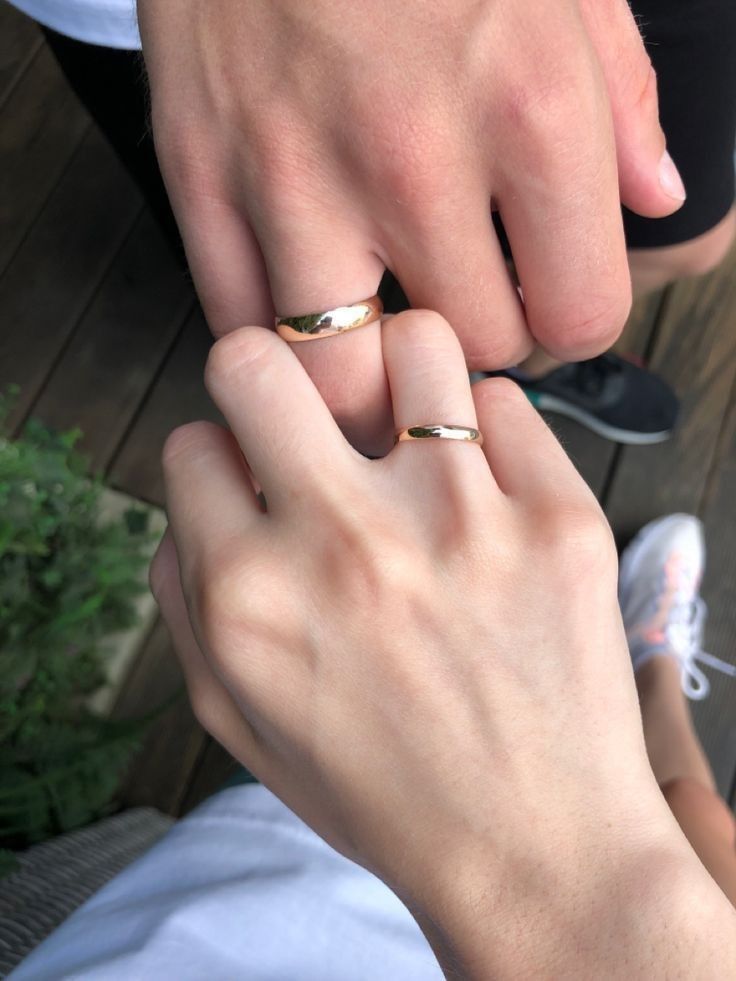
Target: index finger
<point>286,432</point>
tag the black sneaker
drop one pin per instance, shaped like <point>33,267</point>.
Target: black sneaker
<point>610,395</point>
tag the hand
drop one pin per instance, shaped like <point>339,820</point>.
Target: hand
<point>307,146</point>
<point>423,655</point>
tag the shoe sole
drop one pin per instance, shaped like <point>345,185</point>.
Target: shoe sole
<point>550,403</point>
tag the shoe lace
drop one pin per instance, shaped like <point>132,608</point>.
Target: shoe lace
<point>590,376</point>
<point>684,632</point>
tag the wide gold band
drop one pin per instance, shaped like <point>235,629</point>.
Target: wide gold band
<point>314,326</point>
<point>465,434</point>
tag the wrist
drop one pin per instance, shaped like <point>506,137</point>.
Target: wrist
<point>588,911</point>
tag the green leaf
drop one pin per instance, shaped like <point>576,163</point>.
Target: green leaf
<point>67,580</point>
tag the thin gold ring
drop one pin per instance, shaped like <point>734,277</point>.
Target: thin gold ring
<point>314,326</point>
<point>466,434</point>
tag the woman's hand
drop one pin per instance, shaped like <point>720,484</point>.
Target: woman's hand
<point>423,655</point>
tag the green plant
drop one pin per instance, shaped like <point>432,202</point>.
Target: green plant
<point>67,581</point>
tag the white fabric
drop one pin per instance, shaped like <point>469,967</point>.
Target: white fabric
<point>112,23</point>
<point>241,888</point>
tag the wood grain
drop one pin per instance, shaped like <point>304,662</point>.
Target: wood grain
<point>123,338</point>
<point>60,264</point>
<point>20,39</point>
<point>40,128</point>
<point>178,396</point>
<point>214,768</point>
<point>159,775</point>
<point>695,350</point>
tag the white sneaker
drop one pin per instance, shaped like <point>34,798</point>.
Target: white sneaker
<point>659,579</point>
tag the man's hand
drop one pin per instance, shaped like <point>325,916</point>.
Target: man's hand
<point>424,658</point>
<point>306,146</point>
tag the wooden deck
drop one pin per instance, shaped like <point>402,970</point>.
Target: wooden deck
<point>101,330</point>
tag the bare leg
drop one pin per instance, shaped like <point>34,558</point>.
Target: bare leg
<point>682,770</point>
<point>710,828</point>
<point>652,269</point>
<point>673,747</point>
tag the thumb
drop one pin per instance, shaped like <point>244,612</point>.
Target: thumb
<point>649,181</point>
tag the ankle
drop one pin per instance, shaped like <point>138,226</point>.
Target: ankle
<point>672,745</point>
<point>660,674</point>
<point>661,699</point>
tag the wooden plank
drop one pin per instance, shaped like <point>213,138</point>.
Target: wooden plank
<point>592,455</point>
<point>178,396</point>
<point>60,263</point>
<point>695,350</point>
<point>123,338</point>
<point>20,39</point>
<point>715,717</point>
<point>40,127</point>
<point>159,775</point>
<point>214,768</point>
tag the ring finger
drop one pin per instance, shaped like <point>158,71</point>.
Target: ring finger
<point>319,256</point>
<point>430,386</point>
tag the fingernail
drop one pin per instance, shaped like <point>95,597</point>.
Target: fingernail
<point>669,178</point>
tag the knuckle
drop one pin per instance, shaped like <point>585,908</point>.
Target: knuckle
<point>409,162</point>
<point>588,329</point>
<point>236,600</point>
<point>393,570</point>
<point>368,575</point>
<point>495,348</point>
<point>204,706</point>
<point>423,328</point>
<point>640,87</point>
<point>217,594</point>
<point>237,351</point>
<point>283,170</point>
<point>579,538</point>
<point>503,391</point>
<point>543,111</point>
<point>187,156</point>
<point>186,441</point>
<point>286,171</point>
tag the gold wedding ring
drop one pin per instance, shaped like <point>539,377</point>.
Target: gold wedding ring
<point>465,434</point>
<point>314,326</point>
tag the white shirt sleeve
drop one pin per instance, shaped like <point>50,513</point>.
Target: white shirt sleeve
<point>112,23</point>
<point>239,889</point>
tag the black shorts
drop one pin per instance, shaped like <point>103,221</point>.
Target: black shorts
<point>692,44</point>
